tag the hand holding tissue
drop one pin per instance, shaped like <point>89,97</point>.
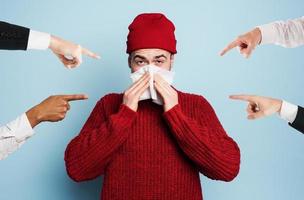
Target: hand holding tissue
<point>151,93</point>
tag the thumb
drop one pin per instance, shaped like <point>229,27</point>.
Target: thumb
<point>255,115</point>
<point>77,56</point>
<point>247,51</point>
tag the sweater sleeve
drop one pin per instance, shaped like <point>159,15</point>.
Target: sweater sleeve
<point>88,154</point>
<point>203,139</point>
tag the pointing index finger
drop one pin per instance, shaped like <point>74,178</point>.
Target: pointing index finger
<point>75,97</point>
<point>230,46</point>
<point>248,98</point>
<point>89,53</point>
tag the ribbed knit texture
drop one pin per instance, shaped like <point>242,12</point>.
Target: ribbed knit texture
<point>149,154</point>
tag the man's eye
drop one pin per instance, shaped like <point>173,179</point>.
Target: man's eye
<point>159,61</point>
<point>140,62</point>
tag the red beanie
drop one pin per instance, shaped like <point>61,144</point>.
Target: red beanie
<point>151,30</point>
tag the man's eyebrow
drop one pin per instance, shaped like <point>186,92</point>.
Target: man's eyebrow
<point>139,56</point>
<point>160,56</point>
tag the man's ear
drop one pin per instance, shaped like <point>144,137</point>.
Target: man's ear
<point>171,61</point>
<point>129,60</point>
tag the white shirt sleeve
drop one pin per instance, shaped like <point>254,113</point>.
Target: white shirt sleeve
<point>288,111</point>
<point>288,33</point>
<point>38,40</point>
<point>14,134</point>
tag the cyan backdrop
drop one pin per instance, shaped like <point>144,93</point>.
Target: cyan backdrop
<point>272,152</point>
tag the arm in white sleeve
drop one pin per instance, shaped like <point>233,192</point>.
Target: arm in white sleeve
<point>288,33</point>
<point>14,134</point>
<point>288,111</point>
<point>38,40</point>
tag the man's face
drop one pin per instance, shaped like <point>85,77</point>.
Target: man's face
<point>142,57</point>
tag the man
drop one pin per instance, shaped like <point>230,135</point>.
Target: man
<point>288,33</point>
<point>146,149</point>
<point>54,108</point>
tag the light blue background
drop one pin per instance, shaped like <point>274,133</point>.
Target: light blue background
<point>272,152</point>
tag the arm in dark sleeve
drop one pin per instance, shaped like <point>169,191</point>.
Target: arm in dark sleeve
<point>298,123</point>
<point>13,37</point>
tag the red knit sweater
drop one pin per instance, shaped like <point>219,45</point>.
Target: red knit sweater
<point>149,154</point>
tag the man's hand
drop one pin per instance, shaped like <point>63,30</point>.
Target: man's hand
<point>259,106</point>
<point>52,109</point>
<point>169,95</point>
<point>132,95</point>
<point>246,43</point>
<point>69,54</point>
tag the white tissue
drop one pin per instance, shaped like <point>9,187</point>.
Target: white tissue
<point>151,93</point>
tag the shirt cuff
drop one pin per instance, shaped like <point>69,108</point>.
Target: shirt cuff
<point>20,128</point>
<point>268,33</point>
<point>288,111</point>
<point>38,40</point>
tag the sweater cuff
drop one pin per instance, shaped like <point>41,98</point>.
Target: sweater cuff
<point>126,111</point>
<point>173,112</point>
<point>124,117</point>
<point>175,118</point>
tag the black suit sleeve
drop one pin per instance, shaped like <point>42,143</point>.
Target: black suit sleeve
<point>13,37</point>
<point>298,123</point>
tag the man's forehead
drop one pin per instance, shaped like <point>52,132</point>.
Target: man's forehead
<point>150,53</point>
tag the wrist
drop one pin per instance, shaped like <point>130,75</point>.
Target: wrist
<point>169,107</point>
<point>132,107</point>
<point>34,116</point>
<point>53,42</point>
<point>258,34</point>
<point>279,105</point>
